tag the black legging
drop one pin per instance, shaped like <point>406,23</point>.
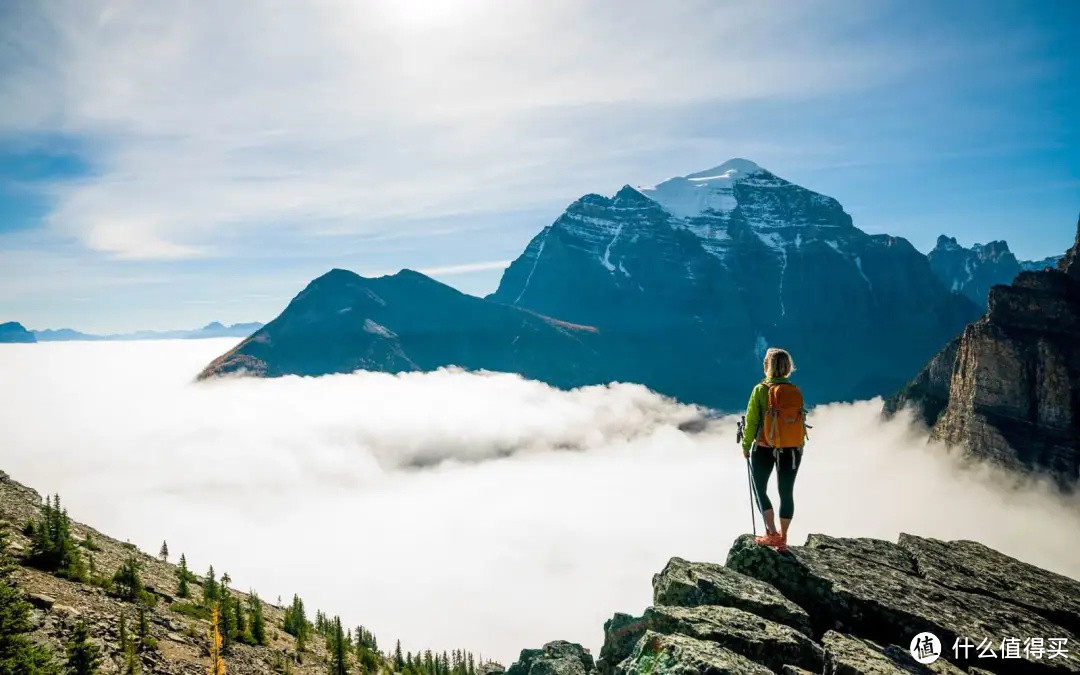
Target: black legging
<point>787,462</point>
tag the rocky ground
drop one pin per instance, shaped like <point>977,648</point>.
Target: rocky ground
<point>182,640</point>
<point>839,607</point>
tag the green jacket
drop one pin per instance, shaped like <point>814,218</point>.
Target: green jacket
<point>755,410</point>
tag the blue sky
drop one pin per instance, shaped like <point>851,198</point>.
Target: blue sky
<point>162,165</point>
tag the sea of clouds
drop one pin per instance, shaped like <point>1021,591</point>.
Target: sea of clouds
<point>456,509</point>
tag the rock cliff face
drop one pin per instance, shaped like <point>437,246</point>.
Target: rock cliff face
<point>839,607</point>
<point>1008,388</point>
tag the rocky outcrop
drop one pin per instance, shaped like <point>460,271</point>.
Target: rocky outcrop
<point>13,331</point>
<point>1013,391</point>
<point>554,658</point>
<point>843,606</point>
<point>685,584</point>
<point>758,639</point>
<point>659,654</point>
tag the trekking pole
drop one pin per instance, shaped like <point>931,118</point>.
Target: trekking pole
<point>749,477</point>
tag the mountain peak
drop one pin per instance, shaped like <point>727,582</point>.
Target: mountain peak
<point>695,193</point>
<point>732,169</point>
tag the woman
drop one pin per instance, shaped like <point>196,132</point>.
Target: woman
<point>774,436</point>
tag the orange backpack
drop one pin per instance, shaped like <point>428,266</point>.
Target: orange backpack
<point>784,423</point>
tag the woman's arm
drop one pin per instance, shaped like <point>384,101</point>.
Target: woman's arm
<point>753,420</point>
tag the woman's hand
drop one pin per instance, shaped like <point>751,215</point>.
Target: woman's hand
<point>745,453</point>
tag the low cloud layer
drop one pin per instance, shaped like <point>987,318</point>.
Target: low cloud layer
<point>456,509</point>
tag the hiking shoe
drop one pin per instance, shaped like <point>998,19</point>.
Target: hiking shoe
<point>782,546</point>
<point>769,539</point>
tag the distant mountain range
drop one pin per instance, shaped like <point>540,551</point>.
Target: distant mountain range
<point>680,287</point>
<point>210,330</point>
<point>13,331</point>
<point>972,271</point>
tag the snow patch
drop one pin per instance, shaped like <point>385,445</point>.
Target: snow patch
<point>697,193</point>
<point>606,260</point>
<point>378,329</point>
<point>536,261</point>
<point>858,264</point>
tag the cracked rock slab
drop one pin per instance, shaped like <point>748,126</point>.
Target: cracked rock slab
<point>658,654</point>
<point>690,584</point>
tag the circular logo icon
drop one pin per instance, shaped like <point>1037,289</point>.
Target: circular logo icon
<point>925,648</point>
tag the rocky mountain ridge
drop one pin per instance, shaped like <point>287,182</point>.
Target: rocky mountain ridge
<point>409,322</point>
<point>973,271</point>
<point>1008,387</point>
<point>211,330</point>
<point>681,287</point>
<point>839,607</point>
<point>724,263</point>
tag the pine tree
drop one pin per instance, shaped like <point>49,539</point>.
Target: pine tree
<point>227,621</point>
<point>296,623</point>
<point>338,664</point>
<point>83,656</point>
<point>53,549</point>
<point>18,654</point>
<point>240,624</point>
<point>210,589</point>
<point>142,631</point>
<point>223,587</point>
<point>126,580</point>
<point>130,659</point>
<point>399,660</point>
<point>255,613</point>
<point>182,589</point>
<point>164,552</point>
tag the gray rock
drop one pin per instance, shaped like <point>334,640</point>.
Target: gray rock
<point>794,670</point>
<point>847,655</point>
<point>976,568</point>
<point>846,590</point>
<point>658,654</point>
<point>40,600</point>
<point>766,642</point>
<point>689,584</point>
<point>555,658</point>
<point>65,611</point>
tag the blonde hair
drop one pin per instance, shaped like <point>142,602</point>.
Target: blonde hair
<point>778,363</point>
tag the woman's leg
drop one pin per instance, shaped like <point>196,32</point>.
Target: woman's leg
<point>786,470</point>
<point>761,465</point>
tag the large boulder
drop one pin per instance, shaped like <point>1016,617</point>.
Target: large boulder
<point>761,640</point>
<point>690,584</point>
<point>555,658</point>
<point>872,589</point>
<point>659,654</point>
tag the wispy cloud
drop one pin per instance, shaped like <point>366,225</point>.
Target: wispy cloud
<point>325,117</point>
